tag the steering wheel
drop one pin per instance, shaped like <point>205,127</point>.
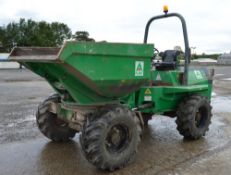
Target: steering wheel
<point>156,50</point>
<point>156,53</point>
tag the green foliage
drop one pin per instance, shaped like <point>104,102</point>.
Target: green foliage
<point>32,33</point>
<point>203,55</point>
<point>82,36</point>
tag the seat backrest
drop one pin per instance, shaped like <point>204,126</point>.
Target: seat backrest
<point>170,56</point>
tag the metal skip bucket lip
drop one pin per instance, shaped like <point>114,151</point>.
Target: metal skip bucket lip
<point>34,54</point>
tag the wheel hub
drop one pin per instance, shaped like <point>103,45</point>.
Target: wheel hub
<point>117,138</point>
<point>198,119</point>
<point>59,122</point>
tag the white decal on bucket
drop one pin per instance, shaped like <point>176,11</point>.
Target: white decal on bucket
<point>139,68</point>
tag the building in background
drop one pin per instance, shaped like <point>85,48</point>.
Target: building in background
<point>224,59</point>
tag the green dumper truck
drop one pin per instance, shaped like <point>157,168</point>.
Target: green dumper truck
<point>109,91</point>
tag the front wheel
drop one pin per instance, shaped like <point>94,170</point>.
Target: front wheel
<point>110,139</point>
<point>194,117</point>
<point>50,125</point>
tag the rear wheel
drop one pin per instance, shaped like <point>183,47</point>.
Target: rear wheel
<point>50,125</point>
<point>194,117</point>
<point>110,139</point>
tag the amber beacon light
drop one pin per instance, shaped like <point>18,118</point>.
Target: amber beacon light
<point>165,9</point>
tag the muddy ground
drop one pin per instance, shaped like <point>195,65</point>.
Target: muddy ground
<point>24,150</point>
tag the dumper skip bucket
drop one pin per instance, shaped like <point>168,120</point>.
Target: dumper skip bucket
<point>88,71</point>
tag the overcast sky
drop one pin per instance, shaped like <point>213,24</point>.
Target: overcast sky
<point>208,21</point>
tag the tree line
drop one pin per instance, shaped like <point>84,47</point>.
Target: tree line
<point>26,33</point>
<point>203,55</point>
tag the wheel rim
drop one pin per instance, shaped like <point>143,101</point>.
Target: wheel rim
<point>201,117</point>
<point>117,138</point>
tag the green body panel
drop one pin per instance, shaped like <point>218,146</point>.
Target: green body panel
<point>166,98</point>
<point>168,77</point>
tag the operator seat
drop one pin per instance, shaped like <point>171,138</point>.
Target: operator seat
<point>169,60</point>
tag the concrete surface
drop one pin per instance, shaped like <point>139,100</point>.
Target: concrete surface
<point>24,150</point>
